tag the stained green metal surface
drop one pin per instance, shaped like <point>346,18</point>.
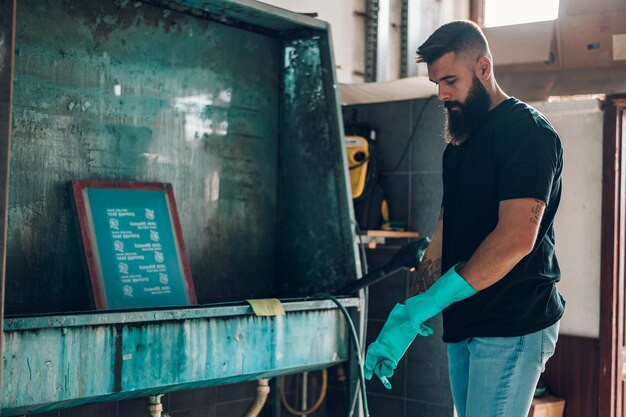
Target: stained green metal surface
<point>314,213</point>
<point>235,104</point>
<point>250,13</point>
<point>189,111</point>
<point>238,121</point>
<point>65,361</point>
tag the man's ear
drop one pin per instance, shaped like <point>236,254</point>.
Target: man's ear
<point>483,68</point>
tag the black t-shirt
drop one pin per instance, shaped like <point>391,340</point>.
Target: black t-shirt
<point>515,154</point>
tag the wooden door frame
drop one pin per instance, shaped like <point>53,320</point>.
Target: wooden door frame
<point>476,11</point>
<point>610,401</point>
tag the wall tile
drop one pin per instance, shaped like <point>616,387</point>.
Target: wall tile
<point>134,407</point>
<point>46,414</point>
<point>425,204</point>
<point>395,188</point>
<point>392,123</point>
<point>185,400</point>
<point>384,295</point>
<point>336,403</point>
<point>234,408</point>
<point>380,405</point>
<point>238,391</point>
<point>427,380</point>
<point>93,410</point>
<point>202,411</point>
<point>425,409</point>
<point>428,144</point>
<point>355,114</point>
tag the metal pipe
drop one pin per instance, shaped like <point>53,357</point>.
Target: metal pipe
<point>314,407</point>
<point>155,407</point>
<point>305,389</point>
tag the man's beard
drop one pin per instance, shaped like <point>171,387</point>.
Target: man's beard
<point>468,116</point>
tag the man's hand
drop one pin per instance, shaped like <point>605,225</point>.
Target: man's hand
<point>394,339</point>
<point>407,321</point>
<point>429,269</point>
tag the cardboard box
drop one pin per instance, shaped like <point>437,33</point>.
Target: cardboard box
<point>592,41</point>
<point>548,406</point>
<point>528,43</point>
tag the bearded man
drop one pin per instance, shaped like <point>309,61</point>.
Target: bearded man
<point>491,266</point>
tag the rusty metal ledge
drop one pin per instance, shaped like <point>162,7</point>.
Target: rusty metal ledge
<point>66,361</point>
<point>144,316</point>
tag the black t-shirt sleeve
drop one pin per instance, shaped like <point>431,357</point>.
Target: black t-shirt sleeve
<point>527,162</point>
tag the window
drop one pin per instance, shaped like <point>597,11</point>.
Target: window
<point>513,12</point>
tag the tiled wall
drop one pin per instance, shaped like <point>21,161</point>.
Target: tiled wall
<point>224,401</point>
<point>232,400</point>
<point>414,191</point>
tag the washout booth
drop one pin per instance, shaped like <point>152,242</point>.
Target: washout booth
<point>233,103</point>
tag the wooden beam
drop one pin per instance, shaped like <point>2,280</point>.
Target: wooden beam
<point>477,11</point>
<point>611,281</point>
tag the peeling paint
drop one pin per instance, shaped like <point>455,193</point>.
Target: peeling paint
<point>57,365</point>
<point>314,239</point>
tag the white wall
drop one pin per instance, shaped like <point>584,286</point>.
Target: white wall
<point>578,221</point>
<point>348,29</point>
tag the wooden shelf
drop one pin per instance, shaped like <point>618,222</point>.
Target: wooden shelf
<point>371,238</point>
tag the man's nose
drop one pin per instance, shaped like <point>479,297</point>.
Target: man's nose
<point>443,94</point>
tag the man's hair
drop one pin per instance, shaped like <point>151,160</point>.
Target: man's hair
<point>462,37</point>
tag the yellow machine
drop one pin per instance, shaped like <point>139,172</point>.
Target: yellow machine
<point>358,152</point>
<point>359,161</point>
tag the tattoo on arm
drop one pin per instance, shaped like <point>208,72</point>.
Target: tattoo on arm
<point>536,210</point>
<point>427,273</point>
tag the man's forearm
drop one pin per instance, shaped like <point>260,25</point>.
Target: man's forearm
<point>512,239</point>
<point>494,258</point>
<point>428,271</point>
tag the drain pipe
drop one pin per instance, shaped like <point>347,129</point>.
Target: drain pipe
<point>155,407</point>
<point>262,392</point>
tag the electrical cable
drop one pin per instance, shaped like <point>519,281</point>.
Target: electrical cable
<point>355,339</point>
<point>412,135</point>
<point>360,163</point>
<point>364,271</point>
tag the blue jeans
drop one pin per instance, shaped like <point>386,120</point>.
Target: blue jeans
<point>497,376</point>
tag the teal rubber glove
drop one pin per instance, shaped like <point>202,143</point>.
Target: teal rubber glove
<point>407,321</point>
<point>394,339</point>
<point>448,289</point>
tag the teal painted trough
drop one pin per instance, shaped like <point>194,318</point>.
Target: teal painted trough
<point>66,361</point>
